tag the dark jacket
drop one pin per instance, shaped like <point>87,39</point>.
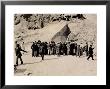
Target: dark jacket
<point>91,50</point>
<point>41,49</point>
<point>18,51</point>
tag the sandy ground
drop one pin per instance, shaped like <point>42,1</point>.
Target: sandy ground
<point>57,66</point>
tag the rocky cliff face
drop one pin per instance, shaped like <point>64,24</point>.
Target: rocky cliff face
<point>36,21</point>
<point>57,27</point>
<point>62,35</point>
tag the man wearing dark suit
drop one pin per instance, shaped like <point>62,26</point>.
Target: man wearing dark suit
<point>86,49</point>
<point>36,49</point>
<point>90,52</point>
<point>33,49</point>
<point>18,54</point>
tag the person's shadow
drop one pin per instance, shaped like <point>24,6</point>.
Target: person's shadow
<point>50,58</point>
<point>40,61</point>
<point>32,63</point>
<point>20,70</point>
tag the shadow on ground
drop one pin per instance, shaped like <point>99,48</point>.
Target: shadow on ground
<point>20,71</point>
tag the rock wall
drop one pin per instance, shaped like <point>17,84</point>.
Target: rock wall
<point>56,27</point>
<point>62,35</point>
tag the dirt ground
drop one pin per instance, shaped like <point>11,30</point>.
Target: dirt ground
<point>56,66</point>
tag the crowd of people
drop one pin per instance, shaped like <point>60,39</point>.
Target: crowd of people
<point>51,48</point>
<point>65,48</point>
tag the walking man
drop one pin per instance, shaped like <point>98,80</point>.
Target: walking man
<point>42,50</point>
<point>90,52</point>
<point>18,54</point>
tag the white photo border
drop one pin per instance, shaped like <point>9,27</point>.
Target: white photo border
<point>100,79</point>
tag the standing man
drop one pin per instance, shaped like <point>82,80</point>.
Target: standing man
<point>60,49</point>
<point>75,48</point>
<point>81,49</point>
<point>86,49</point>
<point>90,52</point>
<point>68,48</point>
<point>72,48</point>
<point>36,49</point>
<point>57,49</point>
<point>54,48</point>
<point>78,51</point>
<point>49,48</point>
<point>64,49</point>
<point>33,49</point>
